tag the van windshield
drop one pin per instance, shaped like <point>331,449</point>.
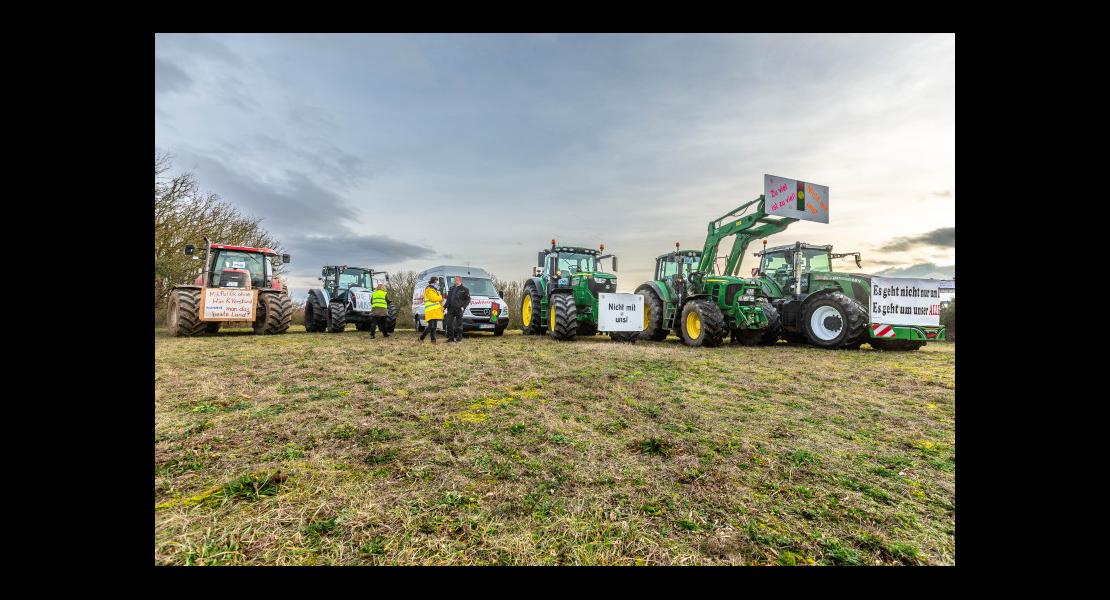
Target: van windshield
<point>477,286</point>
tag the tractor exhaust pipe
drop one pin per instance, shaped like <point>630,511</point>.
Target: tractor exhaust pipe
<point>797,270</point>
<point>207,257</point>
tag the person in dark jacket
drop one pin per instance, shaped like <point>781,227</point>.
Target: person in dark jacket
<point>458,298</point>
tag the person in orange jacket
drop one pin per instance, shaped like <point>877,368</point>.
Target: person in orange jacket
<point>433,309</point>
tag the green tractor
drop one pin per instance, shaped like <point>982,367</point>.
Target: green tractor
<point>703,307</point>
<point>828,308</point>
<point>344,298</point>
<point>561,297</point>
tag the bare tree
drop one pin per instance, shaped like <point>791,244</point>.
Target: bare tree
<point>400,288</point>
<point>512,291</point>
<point>183,214</point>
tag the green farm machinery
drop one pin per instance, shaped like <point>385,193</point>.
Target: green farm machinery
<point>829,308</point>
<point>688,296</point>
<point>561,297</point>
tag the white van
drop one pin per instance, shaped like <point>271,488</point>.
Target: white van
<point>483,298</point>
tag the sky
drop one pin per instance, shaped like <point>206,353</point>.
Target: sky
<point>402,152</point>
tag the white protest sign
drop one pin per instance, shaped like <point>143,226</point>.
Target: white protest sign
<point>803,200</point>
<point>223,304</point>
<point>362,301</point>
<point>620,312</point>
<point>905,301</point>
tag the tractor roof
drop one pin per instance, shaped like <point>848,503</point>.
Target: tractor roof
<point>804,245</point>
<point>693,253</point>
<point>577,249</point>
<point>345,267</point>
<point>266,251</point>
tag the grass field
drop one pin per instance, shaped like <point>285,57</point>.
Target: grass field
<point>323,448</point>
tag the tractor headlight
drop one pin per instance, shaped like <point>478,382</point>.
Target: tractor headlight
<point>600,280</point>
<point>749,292</point>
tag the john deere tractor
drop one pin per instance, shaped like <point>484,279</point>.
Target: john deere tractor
<point>561,297</point>
<point>703,307</point>
<point>237,284</point>
<point>344,298</point>
<point>828,308</point>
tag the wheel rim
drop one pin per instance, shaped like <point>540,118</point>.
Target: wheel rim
<point>172,317</point>
<point>647,315</point>
<point>693,325</point>
<point>826,323</point>
<point>551,318</point>
<point>526,310</point>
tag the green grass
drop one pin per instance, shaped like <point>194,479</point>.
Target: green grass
<point>307,449</point>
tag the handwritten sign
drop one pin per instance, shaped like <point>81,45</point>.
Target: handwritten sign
<point>905,301</point>
<point>803,200</point>
<point>223,304</point>
<point>620,312</point>
<point>363,301</point>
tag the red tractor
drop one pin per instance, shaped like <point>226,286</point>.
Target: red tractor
<point>238,285</point>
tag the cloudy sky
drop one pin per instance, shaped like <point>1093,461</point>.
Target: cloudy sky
<point>408,151</point>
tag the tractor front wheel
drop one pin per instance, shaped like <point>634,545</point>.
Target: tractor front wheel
<point>337,317</point>
<point>183,314</point>
<point>315,317</point>
<point>833,320</point>
<point>774,325</point>
<point>275,313</point>
<point>530,303</point>
<point>563,317</point>
<point>702,324</point>
<point>653,316</point>
<point>895,345</point>
<point>213,327</point>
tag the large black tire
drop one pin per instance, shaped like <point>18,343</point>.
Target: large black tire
<point>895,345</point>
<point>774,325</point>
<point>711,328</point>
<point>563,317</point>
<point>391,319</point>
<point>842,320</point>
<point>337,316</point>
<point>654,311</point>
<point>315,317</point>
<point>183,314</point>
<point>275,313</point>
<point>534,326</point>
<point>625,336</point>
<point>213,327</point>
<point>747,337</point>
<point>585,329</point>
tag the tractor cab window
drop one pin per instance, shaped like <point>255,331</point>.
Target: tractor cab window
<point>257,264</point>
<point>354,277</point>
<point>816,261</point>
<point>670,266</point>
<point>573,262</point>
<point>775,263</point>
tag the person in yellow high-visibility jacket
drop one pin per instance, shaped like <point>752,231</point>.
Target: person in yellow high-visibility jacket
<point>379,310</point>
<point>433,309</point>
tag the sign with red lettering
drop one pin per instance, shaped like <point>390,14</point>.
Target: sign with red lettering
<point>905,301</point>
<point>803,200</point>
<point>227,304</point>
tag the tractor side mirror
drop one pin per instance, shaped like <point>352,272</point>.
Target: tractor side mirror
<point>755,272</point>
<point>858,265</point>
<point>189,248</point>
<point>285,259</point>
<point>500,293</point>
<point>387,276</point>
<point>537,271</point>
<point>614,264</point>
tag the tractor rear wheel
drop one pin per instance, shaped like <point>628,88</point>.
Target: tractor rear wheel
<point>774,326</point>
<point>183,315</point>
<point>895,345</point>
<point>653,316</point>
<point>315,316</point>
<point>625,336</point>
<point>530,303</point>
<point>275,313</point>
<point>390,319</point>
<point>702,324</point>
<point>212,327</point>
<point>747,337</point>
<point>833,320</point>
<point>563,317</point>
<point>337,317</point>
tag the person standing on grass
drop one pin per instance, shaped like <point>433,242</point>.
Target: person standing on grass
<point>433,309</point>
<point>379,310</point>
<point>458,298</point>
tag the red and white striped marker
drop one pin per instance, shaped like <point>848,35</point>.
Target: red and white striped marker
<point>881,330</point>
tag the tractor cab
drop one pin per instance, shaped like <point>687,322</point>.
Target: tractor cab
<point>240,267</point>
<point>785,265</point>
<point>680,263</point>
<point>338,279</point>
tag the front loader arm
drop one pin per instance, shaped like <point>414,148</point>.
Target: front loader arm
<point>747,228</point>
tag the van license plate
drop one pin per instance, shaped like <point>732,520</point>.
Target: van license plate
<point>486,326</point>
